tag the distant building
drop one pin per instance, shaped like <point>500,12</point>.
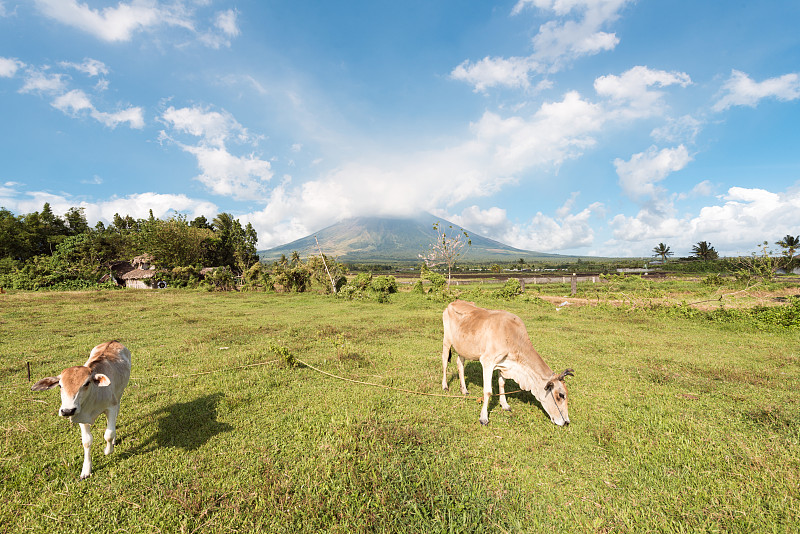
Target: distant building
<point>135,273</point>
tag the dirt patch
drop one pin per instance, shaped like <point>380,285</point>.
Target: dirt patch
<point>729,299</point>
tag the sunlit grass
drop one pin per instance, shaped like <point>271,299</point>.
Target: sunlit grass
<point>677,424</point>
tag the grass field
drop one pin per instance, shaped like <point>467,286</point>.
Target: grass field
<point>678,423</point>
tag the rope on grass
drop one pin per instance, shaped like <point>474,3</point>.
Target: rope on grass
<point>382,386</point>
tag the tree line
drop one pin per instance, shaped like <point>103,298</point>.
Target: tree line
<point>42,249</point>
<point>704,251</point>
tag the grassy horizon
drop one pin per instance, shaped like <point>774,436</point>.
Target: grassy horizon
<point>678,423</point>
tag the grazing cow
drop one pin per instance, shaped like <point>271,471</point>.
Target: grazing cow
<point>91,389</point>
<point>498,340</point>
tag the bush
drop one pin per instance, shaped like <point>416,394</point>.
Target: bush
<point>510,289</point>
<point>384,284</point>
<point>364,286</point>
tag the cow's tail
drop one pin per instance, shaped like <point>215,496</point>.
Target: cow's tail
<point>449,354</point>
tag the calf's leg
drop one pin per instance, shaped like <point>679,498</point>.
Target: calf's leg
<point>460,365</point>
<point>86,439</point>
<point>445,360</point>
<point>111,428</point>
<point>502,383</point>
<point>487,394</point>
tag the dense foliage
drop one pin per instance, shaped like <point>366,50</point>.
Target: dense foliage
<point>41,250</point>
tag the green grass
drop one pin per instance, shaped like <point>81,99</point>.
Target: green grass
<point>678,424</point>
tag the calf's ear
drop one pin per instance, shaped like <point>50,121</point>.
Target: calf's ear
<point>46,383</point>
<point>101,380</point>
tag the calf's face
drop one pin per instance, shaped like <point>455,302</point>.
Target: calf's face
<point>77,386</point>
<point>555,398</point>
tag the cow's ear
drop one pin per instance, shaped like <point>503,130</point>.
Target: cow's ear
<point>101,380</point>
<point>46,383</point>
<point>548,386</point>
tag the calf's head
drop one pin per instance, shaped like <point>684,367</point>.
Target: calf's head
<point>554,400</point>
<point>78,386</point>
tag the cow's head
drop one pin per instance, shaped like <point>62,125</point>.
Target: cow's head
<point>554,400</point>
<point>77,386</point>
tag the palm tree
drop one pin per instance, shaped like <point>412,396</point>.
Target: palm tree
<point>663,251</point>
<point>789,244</point>
<point>704,251</point>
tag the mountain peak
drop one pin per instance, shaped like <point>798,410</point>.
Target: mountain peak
<point>393,240</point>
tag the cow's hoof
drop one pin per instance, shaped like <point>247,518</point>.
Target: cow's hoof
<point>508,409</point>
<point>484,422</point>
<point>84,477</point>
<point>464,392</point>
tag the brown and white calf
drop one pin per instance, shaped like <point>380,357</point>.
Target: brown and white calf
<point>91,389</point>
<point>499,340</point>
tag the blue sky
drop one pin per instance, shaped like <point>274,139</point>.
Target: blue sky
<point>593,127</point>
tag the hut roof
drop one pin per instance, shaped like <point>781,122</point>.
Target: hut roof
<point>138,274</point>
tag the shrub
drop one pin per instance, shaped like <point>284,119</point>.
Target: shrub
<point>510,289</point>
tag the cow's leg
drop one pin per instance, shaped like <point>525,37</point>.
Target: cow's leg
<point>86,439</point>
<point>487,394</point>
<point>460,365</point>
<point>111,428</point>
<point>502,383</point>
<point>445,359</point>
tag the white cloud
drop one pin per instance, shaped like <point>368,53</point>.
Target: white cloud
<point>240,177</point>
<point>76,101</point>
<point>214,127</point>
<point>741,90</point>
<point>9,67</point>
<point>226,22</point>
<point>639,175</point>
<point>121,22</point>
<point>492,72</point>
<point>90,67</point>
<point>223,173</point>
<point>134,116</point>
<point>73,102</point>
<point>137,205</point>
<point>703,189</point>
<point>111,24</point>
<point>681,130</point>
<point>743,218</point>
<point>38,81</point>
<point>633,89</point>
<point>490,222</point>
<point>563,232</point>
<point>577,33</point>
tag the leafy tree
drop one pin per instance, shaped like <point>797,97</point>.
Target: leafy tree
<point>173,243</point>
<point>12,238</point>
<point>317,266</point>
<point>236,246</point>
<point>789,244</point>
<point>244,246</point>
<point>447,248</point>
<point>76,220</point>
<point>125,224</point>
<point>200,222</point>
<point>704,251</point>
<point>662,250</point>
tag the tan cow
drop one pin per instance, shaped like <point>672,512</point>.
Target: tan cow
<point>91,389</point>
<point>499,340</point>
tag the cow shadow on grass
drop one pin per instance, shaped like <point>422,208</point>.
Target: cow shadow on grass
<point>473,377</point>
<point>186,425</point>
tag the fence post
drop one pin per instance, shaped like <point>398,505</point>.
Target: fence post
<point>574,284</point>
